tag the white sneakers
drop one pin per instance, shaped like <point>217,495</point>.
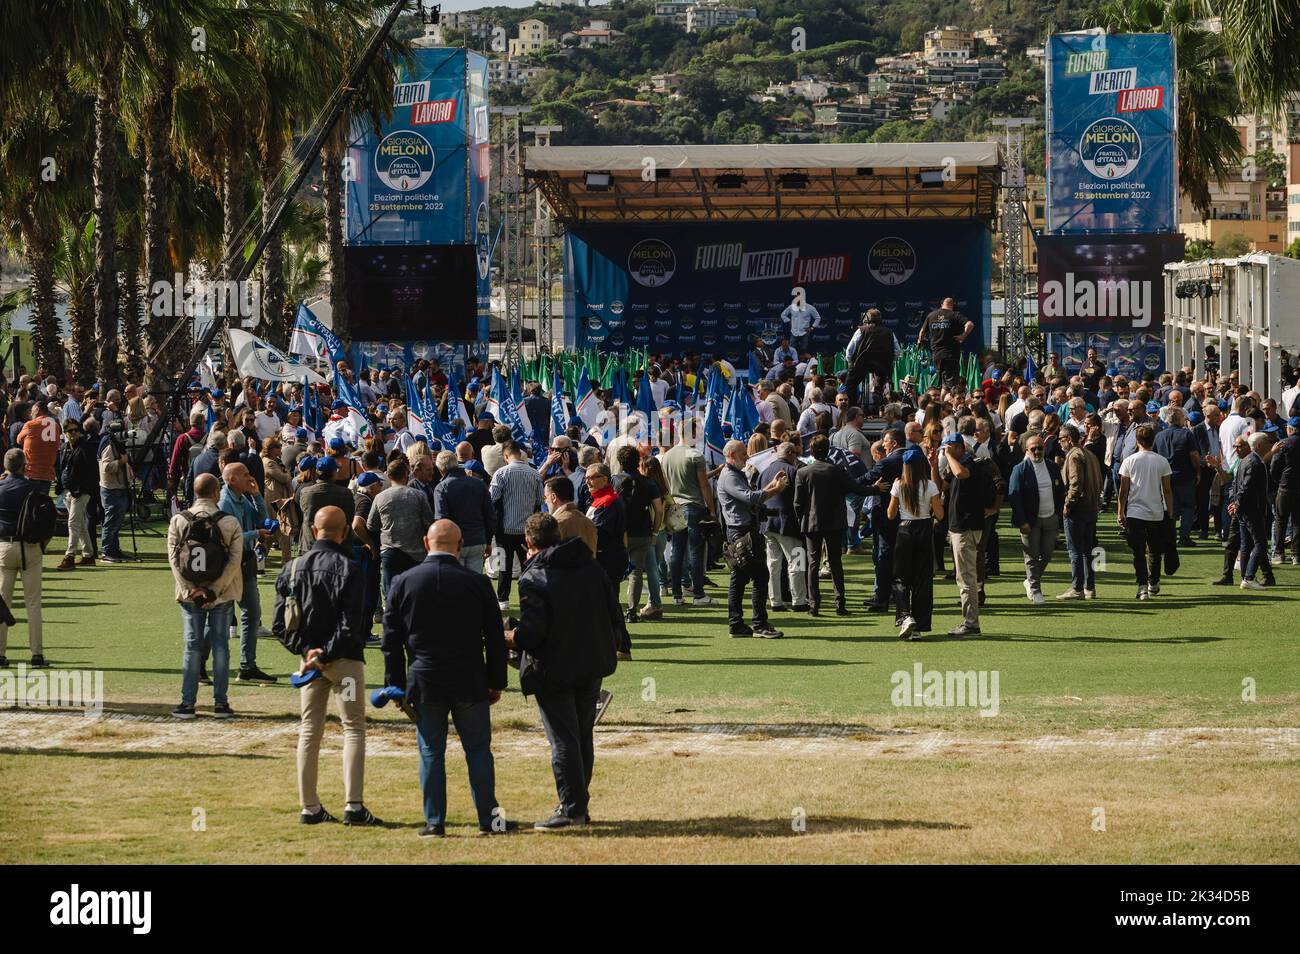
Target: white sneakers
<point>1252,585</point>
<point>701,600</point>
<point>908,628</point>
<point>1071,594</point>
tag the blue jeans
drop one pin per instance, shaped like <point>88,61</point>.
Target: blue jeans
<point>691,541</point>
<point>1080,532</point>
<point>645,563</point>
<point>392,564</point>
<point>474,727</point>
<point>205,629</point>
<point>1185,508</point>
<point>250,614</point>
<point>115,503</point>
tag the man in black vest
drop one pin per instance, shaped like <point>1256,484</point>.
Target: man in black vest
<point>870,352</point>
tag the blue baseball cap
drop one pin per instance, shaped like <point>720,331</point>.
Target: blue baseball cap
<point>1153,407</point>
<point>486,416</point>
<point>996,375</point>
<point>1271,428</point>
<point>301,434</point>
<point>216,394</point>
<point>326,465</point>
<point>367,478</point>
<point>913,455</point>
<point>1049,408</point>
<point>1293,421</point>
<point>954,439</point>
<point>338,405</point>
<point>307,463</point>
<point>337,443</point>
<point>381,408</point>
<point>1196,417</point>
<point>1224,405</point>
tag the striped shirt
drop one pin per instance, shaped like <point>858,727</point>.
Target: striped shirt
<point>518,488</point>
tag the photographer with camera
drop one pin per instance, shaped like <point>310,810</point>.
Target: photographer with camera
<point>205,550</point>
<point>114,489</point>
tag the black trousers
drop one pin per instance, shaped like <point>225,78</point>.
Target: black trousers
<point>884,556</point>
<point>813,543</point>
<point>1144,538</point>
<point>569,718</point>
<point>914,572</point>
<point>755,572</point>
<point>948,365</point>
<point>1286,506</point>
<point>1204,485</point>
<point>512,546</point>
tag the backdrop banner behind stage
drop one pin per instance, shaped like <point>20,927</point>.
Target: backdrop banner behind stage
<point>710,288</point>
<point>1112,107</point>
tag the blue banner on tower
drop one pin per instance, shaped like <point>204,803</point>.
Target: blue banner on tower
<point>1112,130</point>
<point>711,289</point>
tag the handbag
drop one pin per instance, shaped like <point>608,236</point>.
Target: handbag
<point>738,553</point>
<point>674,515</point>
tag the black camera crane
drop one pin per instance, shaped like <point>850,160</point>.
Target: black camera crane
<point>176,388</point>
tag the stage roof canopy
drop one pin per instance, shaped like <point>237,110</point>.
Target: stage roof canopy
<point>763,183</point>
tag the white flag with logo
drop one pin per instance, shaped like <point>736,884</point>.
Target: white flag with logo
<point>255,358</point>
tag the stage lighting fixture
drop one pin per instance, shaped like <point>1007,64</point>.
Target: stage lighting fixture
<point>1206,289</point>
<point>793,180</point>
<point>865,171</point>
<point>730,180</point>
<point>598,181</point>
<point>930,178</point>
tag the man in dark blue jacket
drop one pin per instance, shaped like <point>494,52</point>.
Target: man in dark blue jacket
<point>444,646</point>
<point>466,501</point>
<point>330,590</point>
<point>1037,494</point>
<point>1250,506</point>
<point>882,476</point>
<point>785,547</point>
<point>569,626</point>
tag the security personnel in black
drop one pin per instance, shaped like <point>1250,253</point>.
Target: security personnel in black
<point>946,329</point>
<point>871,351</point>
<point>882,476</point>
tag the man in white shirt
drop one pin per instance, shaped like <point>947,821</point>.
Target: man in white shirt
<point>802,318</point>
<point>1236,424</point>
<point>1018,405</point>
<point>266,421</point>
<point>1145,496</point>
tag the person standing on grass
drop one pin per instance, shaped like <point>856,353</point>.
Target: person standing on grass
<point>1083,483</point>
<point>206,608</point>
<point>820,490</point>
<point>242,499</point>
<point>39,439</point>
<point>398,518</point>
<point>517,487</point>
<point>1037,496</point>
<point>329,589</point>
<point>17,556</point>
<point>688,482</point>
<point>738,504</point>
<point>79,478</point>
<point>644,505</point>
<point>915,502</point>
<point>1250,508</point>
<point>1145,497</point>
<point>466,502</point>
<point>444,648</point>
<point>971,495</point>
<point>558,494</point>
<point>569,623</point>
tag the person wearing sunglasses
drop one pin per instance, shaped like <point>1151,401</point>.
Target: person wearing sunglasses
<point>77,470</point>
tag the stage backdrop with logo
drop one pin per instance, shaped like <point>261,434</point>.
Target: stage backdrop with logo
<point>710,288</point>
<point>1112,131</point>
<point>1107,291</point>
<point>422,182</point>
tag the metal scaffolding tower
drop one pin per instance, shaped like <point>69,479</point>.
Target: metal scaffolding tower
<point>1013,222</point>
<point>514,213</point>
<point>543,239</point>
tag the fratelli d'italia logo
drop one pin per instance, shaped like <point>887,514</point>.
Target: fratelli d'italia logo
<point>891,261</point>
<point>651,263</point>
<point>404,160</point>
<point>1110,148</point>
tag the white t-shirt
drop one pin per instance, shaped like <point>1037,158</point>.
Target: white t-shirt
<point>924,492</point>
<point>660,391</point>
<point>266,424</point>
<point>1232,427</point>
<point>1146,498</point>
<point>1046,500</point>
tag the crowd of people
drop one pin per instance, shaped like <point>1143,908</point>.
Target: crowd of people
<point>385,536</point>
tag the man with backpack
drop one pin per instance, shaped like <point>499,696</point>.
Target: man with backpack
<point>205,551</point>
<point>321,615</point>
<point>26,525</point>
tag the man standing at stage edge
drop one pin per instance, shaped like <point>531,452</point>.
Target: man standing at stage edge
<point>947,329</point>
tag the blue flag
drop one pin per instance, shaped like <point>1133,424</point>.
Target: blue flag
<point>356,409</point>
<point>645,403</point>
<point>502,402</point>
<point>457,412</point>
<point>559,412</point>
<point>619,386</point>
<point>417,416</point>
<point>743,414</point>
<point>516,386</point>
<point>310,408</point>
<point>312,339</point>
<point>588,405</point>
<point>1031,373</point>
<point>714,437</point>
<point>755,369</point>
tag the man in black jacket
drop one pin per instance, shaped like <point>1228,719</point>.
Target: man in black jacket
<point>881,477</point>
<point>871,351</point>
<point>77,470</point>
<point>568,628</point>
<point>819,494</point>
<point>329,589</point>
<point>785,546</point>
<point>442,622</point>
<point>1250,506</point>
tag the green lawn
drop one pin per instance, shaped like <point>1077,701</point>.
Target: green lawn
<point>710,742</point>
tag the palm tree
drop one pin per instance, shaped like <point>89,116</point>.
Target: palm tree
<point>1262,37</point>
<point>1209,148</point>
<point>76,270</point>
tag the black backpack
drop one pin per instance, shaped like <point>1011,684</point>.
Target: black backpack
<point>202,551</point>
<point>37,520</point>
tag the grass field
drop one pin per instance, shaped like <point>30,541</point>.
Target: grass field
<point>1161,731</point>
